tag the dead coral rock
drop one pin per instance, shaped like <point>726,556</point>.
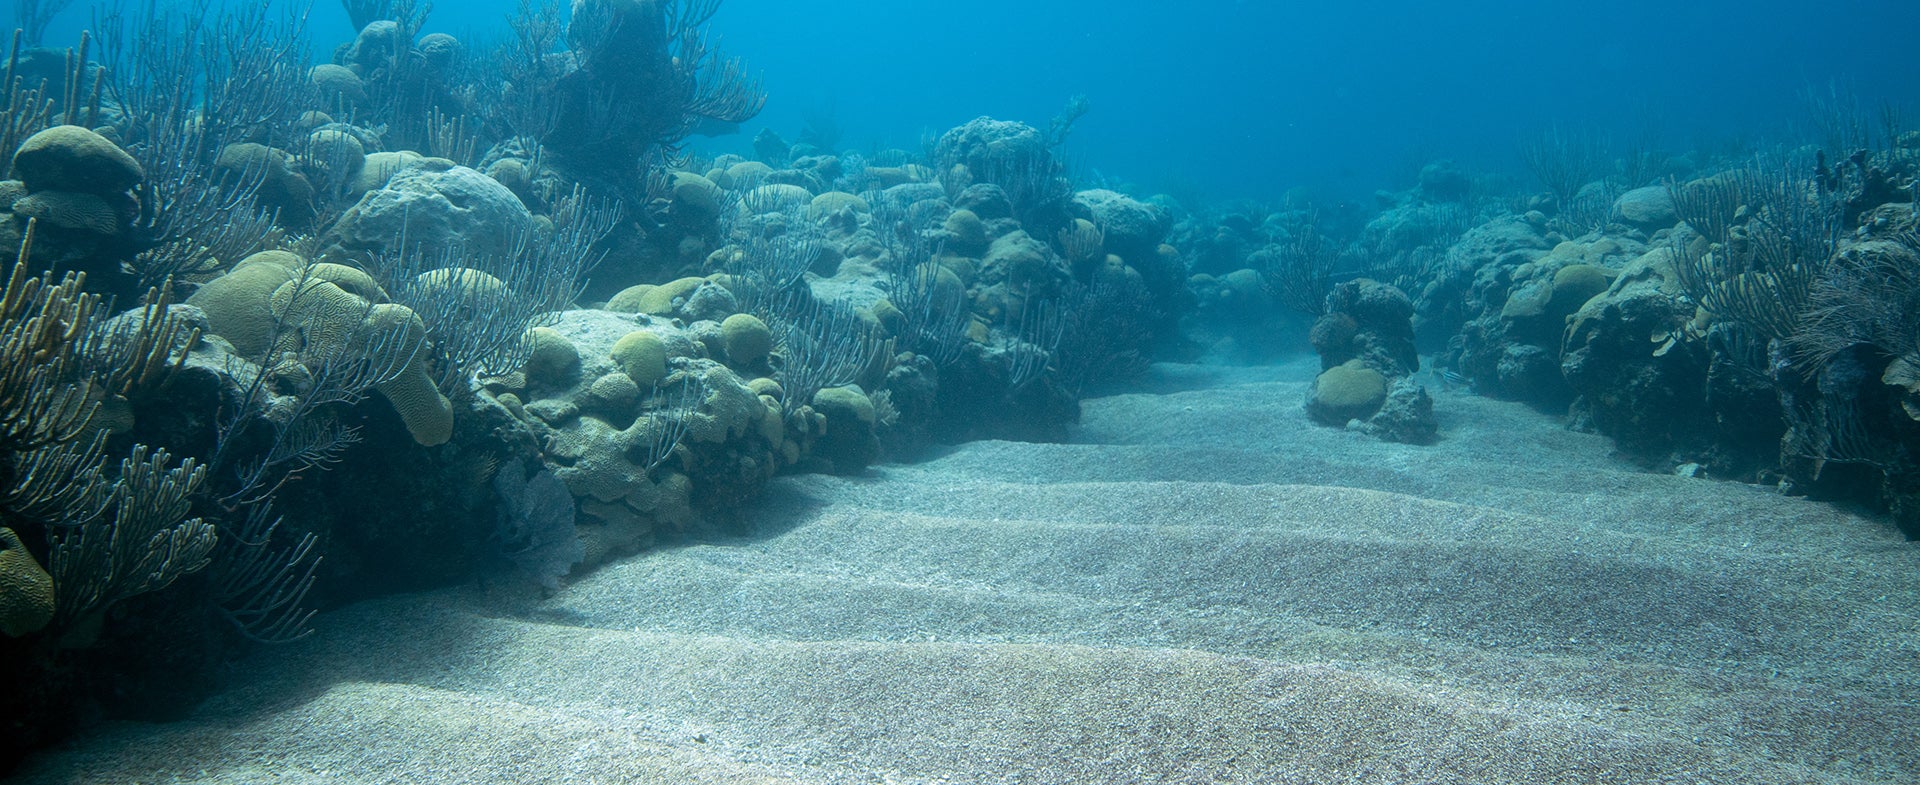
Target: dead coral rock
<point>435,207</point>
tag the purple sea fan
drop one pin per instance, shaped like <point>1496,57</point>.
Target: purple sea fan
<point>535,525</point>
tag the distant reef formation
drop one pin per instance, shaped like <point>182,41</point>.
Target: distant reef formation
<point>1748,318</point>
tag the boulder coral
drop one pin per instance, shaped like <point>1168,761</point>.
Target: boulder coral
<point>849,443</point>
<point>71,210</point>
<point>238,305</point>
<point>26,590</point>
<point>71,158</point>
<point>746,340</point>
<point>641,356</point>
<point>265,310</point>
<point>1349,391</point>
<point>552,358</point>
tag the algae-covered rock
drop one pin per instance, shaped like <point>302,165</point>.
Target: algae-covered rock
<point>995,151</point>
<point>1639,370</point>
<point>1131,228</point>
<point>1021,261</point>
<point>1406,416</point>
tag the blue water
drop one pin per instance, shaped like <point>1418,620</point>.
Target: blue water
<point>1253,99</point>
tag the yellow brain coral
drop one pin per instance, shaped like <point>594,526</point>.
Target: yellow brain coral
<point>427,413</point>
<point>642,356</point>
<point>26,591</point>
<point>551,357</point>
<point>662,300</point>
<point>834,201</point>
<point>69,210</point>
<point>746,339</point>
<point>238,304</point>
<point>328,320</point>
<point>71,158</point>
<point>628,300</point>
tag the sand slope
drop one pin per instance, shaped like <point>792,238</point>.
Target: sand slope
<point>1203,588</point>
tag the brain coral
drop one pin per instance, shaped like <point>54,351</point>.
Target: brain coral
<point>834,201</point>
<point>71,158</point>
<point>746,339</point>
<point>26,591</point>
<point>330,321</point>
<point>70,210</point>
<point>338,85</point>
<point>282,186</point>
<point>1346,392</point>
<point>552,357</point>
<point>427,413</point>
<point>238,304</point>
<point>642,356</point>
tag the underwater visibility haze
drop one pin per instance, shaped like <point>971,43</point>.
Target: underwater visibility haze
<point>637,391</point>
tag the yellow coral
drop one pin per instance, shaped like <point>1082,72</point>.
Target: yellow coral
<point>427,413</point>
<point>238,304</point>
<point>834,201</point>
<point>552,356</point>
<point>662,300</point>
<point>26,590</point>
<point>68,210</point>
<point>642,356</point>
<point>746,339</point>
<point>69,157</point>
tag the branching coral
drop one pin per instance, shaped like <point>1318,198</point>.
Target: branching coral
<point>1766,236</point>
<point>1300,268</point>
<point>33,16</point>
<point>143,543</point>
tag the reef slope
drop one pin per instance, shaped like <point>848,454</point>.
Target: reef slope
<point>1203,587</point>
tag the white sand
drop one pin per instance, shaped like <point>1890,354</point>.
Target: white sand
<point>1203,588</point>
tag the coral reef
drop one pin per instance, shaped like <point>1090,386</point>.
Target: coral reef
<point>434,313</point>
